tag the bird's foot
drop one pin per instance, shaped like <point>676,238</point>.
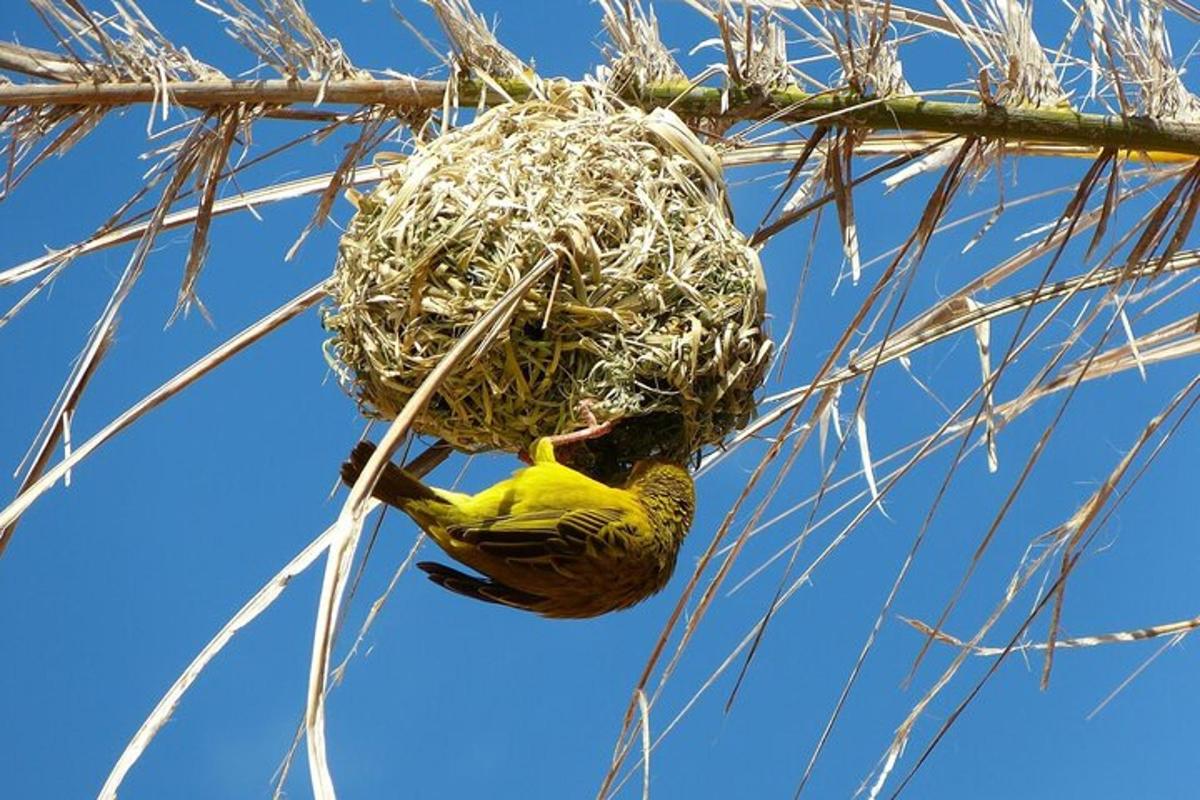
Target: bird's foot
<point>593,430</point>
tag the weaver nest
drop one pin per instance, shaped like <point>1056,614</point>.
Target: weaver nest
<point>653,314</point>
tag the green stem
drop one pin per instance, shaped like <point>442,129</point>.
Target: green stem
<point>1058,125</point>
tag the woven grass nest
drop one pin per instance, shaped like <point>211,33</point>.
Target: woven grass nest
<point>653,314</point>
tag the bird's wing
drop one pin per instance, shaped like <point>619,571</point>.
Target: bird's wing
<point>485,589</point>
<point>555,537</point>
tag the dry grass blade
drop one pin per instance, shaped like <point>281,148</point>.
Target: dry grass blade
<point>636,53</point>
<point>622,746</point>
<point>644,708</point>
<point>868,56</point>
<point>246,614</point>
<point>791,215</point>
<point>476,47</point>
<point>227,125</point>
<point>12,513</point>
<point>1018,581</point>
<point>933,211</point>
<point>1019,66</point>
<point>810,145</point>
<point>837,175</point>
<point>943,320</point>
<point>429,458</point>
<point>755,49</point>
<point>1173,641</point>
<point>55,426</point>
<point>375,129</point>
<point>1179,339</point>
<point>743,155</point>
<point>1183,402</point>
<point>955,316</point>
<point>349,525</point>
<point>1176,340</point>
<point>25,130</point>
<point>1187,196</point>
<point>339,671</point>
<point>825,408</point>
<point>1141,69</point>
<point>39,63</point>
<point>1067,225</point>
<point>119,229</point>
<point>1116,274</point>
<point>924,19</point>
<point>133,231</point>
<point>123,47</point>
<point>286,38</point>
<point>1095,640</point>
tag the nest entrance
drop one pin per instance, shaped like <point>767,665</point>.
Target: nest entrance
<point>654,314</point>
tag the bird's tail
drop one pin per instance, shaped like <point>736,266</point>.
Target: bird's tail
<point>395,486</point>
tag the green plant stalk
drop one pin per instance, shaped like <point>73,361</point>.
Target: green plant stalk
<point>1058,125</point>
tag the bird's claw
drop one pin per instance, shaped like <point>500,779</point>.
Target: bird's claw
<point>594,429</point>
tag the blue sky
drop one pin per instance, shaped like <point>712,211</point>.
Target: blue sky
<point>111,586</point>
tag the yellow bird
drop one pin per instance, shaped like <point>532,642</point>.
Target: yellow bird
<point>549,539</point>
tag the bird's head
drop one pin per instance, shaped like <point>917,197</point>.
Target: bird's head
<point>665,487</point>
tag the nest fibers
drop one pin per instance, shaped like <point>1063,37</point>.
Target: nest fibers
<point>654,315</point>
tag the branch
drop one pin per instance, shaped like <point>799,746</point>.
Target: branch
<point>1061,125</point>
